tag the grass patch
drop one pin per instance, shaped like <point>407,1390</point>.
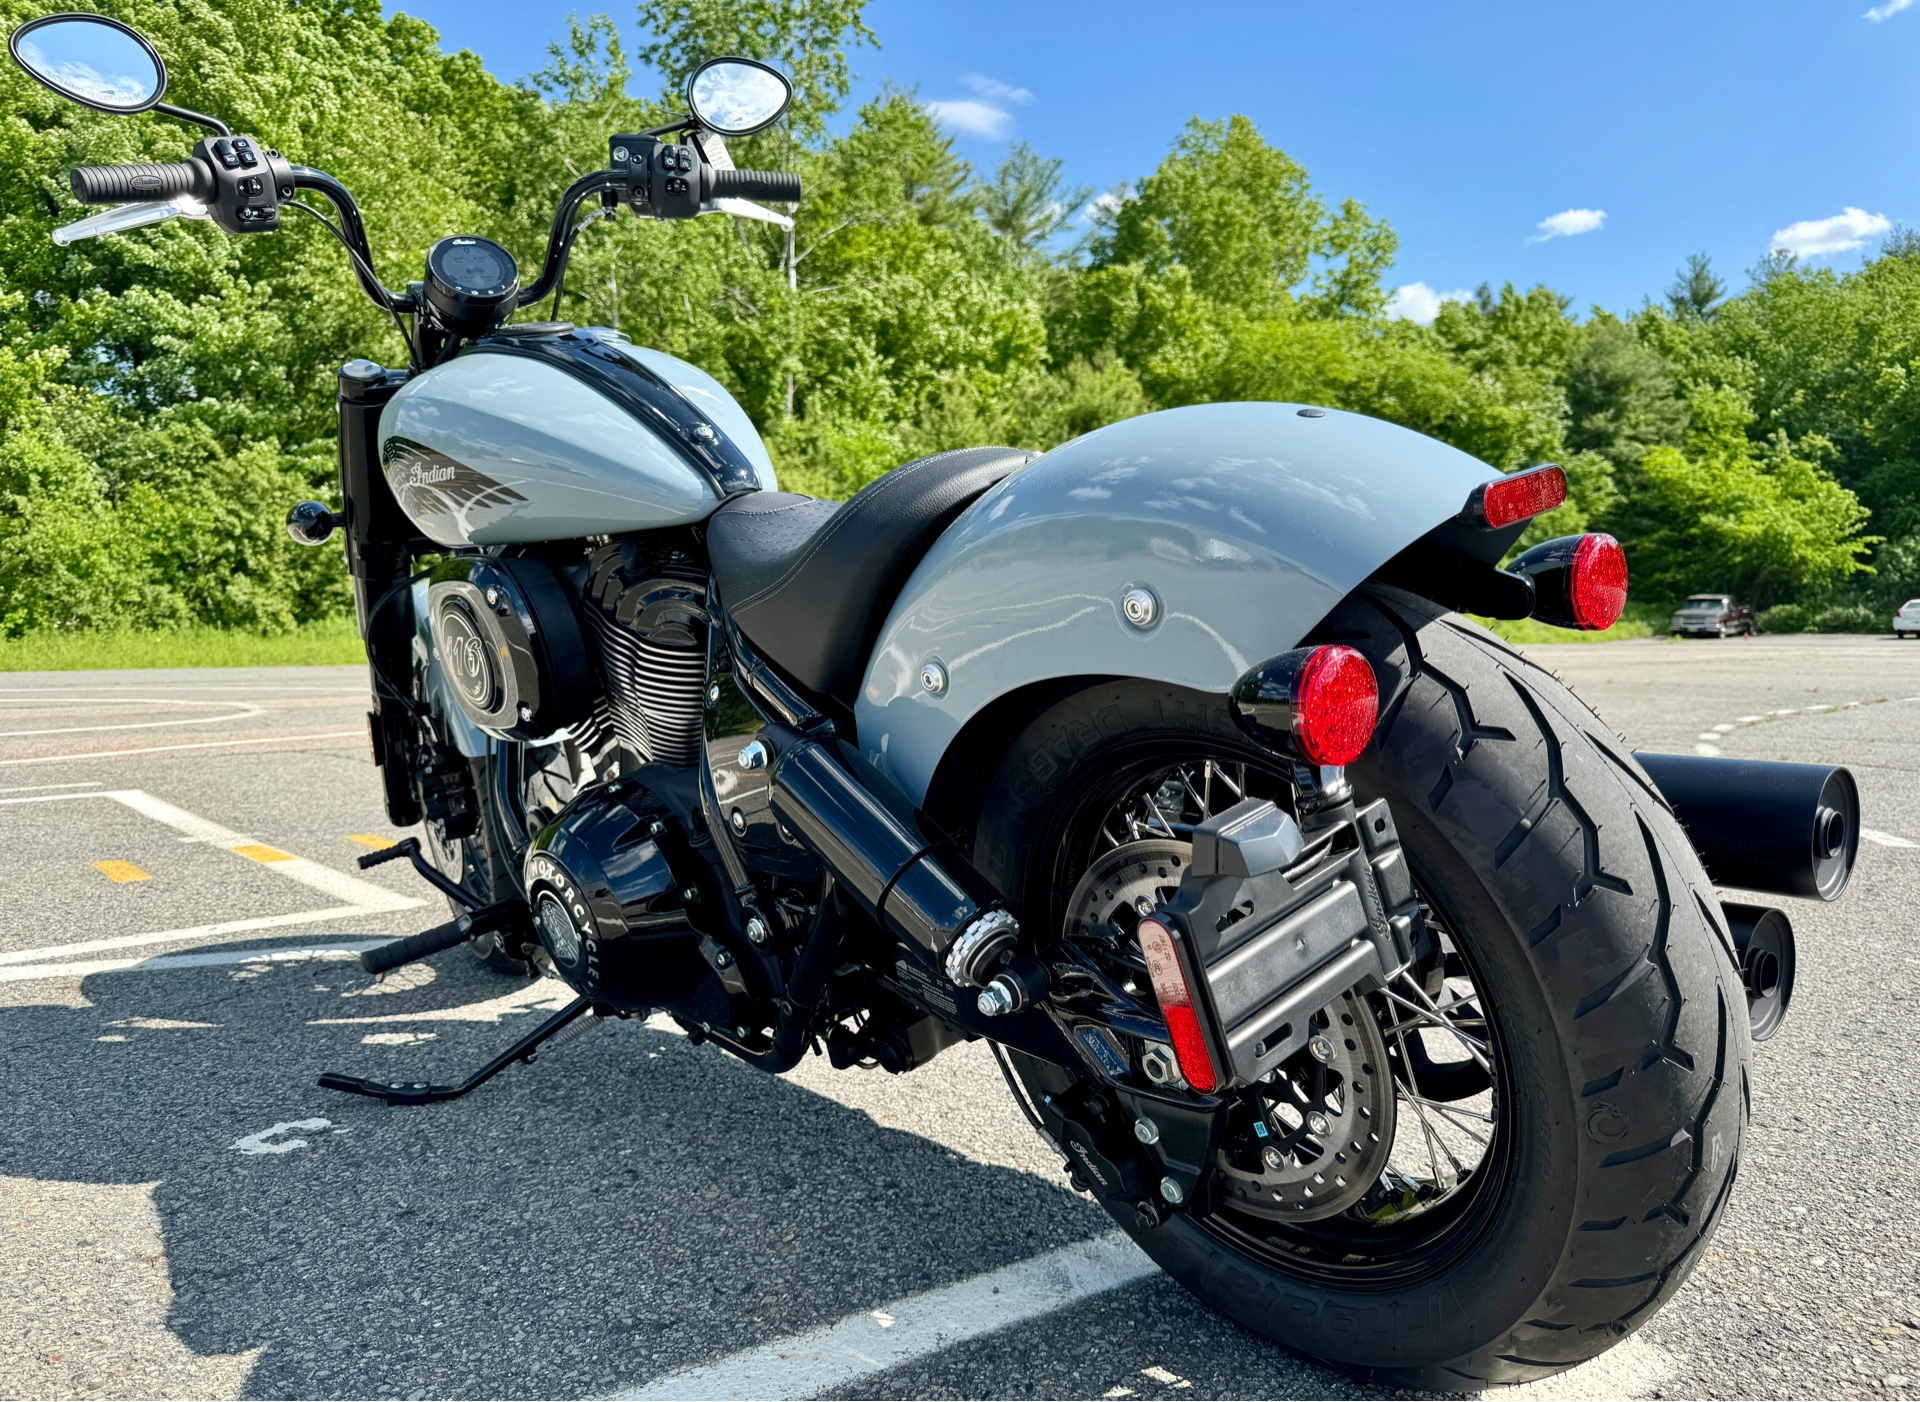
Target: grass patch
<point>1634,623</point>
<point>332,641</point>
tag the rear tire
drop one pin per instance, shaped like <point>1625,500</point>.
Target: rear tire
<point>1602,952</point>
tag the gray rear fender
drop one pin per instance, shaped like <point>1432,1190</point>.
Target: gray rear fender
<point>1246,522</point>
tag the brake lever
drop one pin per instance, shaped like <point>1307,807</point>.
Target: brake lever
<point>131,216</point>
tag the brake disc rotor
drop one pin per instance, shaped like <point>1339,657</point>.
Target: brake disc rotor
<point>1127,883</point>
<point>1324,1123</point>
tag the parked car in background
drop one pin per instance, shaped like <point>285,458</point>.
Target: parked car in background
<point>1906,623</point>
<point>1714,616</point>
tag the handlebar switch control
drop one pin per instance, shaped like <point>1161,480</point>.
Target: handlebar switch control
<point>247,180</point>
<point>662,179</point>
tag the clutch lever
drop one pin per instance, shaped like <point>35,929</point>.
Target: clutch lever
<point>131,216</point>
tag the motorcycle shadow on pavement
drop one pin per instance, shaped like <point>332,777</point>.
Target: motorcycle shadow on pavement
<point>626,1206</point>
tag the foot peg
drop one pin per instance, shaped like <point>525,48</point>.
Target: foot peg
<point>484,921</point>
<point>481,919</point>
<point>424,1093</point>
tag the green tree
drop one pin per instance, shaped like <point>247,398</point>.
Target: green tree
<point>1027,201</point>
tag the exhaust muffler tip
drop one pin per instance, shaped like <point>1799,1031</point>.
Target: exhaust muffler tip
<point>1764,939</point>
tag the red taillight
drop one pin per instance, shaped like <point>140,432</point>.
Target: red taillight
<point>1599,582</point>
<point>1518,498</point>
<point>1336,703</point>
<point>1176,1004</point>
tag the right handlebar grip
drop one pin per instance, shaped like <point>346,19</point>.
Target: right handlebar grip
<point>392,956</point>
<point>132,184</point>
<point>782,186</point>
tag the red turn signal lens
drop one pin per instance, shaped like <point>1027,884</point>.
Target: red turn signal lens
<point>1336,706</point>
<point>1176,1004</point>
<point>1599,582</point>
<point>1519,497</point>
<point>1579,581</point>
<point>1320,702</point>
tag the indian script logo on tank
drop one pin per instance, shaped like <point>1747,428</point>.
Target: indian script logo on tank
<point>429,483</point>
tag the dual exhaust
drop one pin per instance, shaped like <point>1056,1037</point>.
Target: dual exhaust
<point>1791,829</point>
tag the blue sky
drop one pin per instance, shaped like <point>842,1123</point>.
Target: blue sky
<point>1590,147</point>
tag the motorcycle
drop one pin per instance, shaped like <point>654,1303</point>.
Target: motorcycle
<point>1341,953</point>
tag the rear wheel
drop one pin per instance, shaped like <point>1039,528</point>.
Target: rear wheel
<point>1567,1070</point>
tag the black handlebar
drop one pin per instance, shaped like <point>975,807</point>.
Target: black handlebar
<point>782,186</point>
<point>131,184</point>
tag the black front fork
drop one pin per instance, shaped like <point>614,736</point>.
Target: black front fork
<point>379,552</point>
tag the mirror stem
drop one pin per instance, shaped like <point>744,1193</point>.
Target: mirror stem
<point>187,114</point>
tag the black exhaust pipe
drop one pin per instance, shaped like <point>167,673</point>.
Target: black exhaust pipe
<point>1765,941</point>
<point>1764,826</point>
<point>925,892</point>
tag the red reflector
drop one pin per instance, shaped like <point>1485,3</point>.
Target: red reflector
<point>1599,582</point>
<point>1176,1005</point>
<point>1336,704</point>
<point>1523,495</point>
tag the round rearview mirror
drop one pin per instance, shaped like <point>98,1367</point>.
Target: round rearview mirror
<point>738,96</point>
<point>91,59</point>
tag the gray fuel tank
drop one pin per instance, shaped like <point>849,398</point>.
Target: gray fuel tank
<point>546,433</point>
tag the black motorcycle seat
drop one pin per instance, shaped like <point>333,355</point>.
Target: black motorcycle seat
<point>809,581</point>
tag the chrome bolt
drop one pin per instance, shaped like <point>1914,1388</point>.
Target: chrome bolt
<point>526,712</point>
<point>757,930</point>
<point>741,1033</point>
<point>1140,607</point>
<point>713,694</point>
<point>703,432</point>
<point>723,960</point>
<point>994,1000</point>
<point>1146,1131</point>
<point>1273,1158</point>
<point>493,598</point>
<point>737,821</point>
<point>753,755</point>
<point>690,895</point>
<point>933,677</point>
<point>656,827</point>
<point>1172,1191</point>
<point>1318,1123</point>
<point>1321,1048</point>
<point>1159,1064</point>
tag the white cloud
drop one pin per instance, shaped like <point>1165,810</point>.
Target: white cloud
<point>1810,238</point>
<point>996,91</point>
<point>974,118</point>
<point>1568,222</point>
<point>1886,11</point>
<point>1419,303</point>
<point>1101,208</point>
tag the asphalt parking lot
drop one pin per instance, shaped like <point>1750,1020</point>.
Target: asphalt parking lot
<point>182,1212</point>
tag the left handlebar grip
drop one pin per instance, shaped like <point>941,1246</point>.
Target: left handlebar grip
<point>131,184</point>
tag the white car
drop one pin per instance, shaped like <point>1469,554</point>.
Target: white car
<point>1906,623</point>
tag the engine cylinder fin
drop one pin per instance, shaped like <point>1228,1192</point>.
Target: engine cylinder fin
<point>654,699</point>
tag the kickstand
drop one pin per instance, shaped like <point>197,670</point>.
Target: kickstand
<point>421,1093</point>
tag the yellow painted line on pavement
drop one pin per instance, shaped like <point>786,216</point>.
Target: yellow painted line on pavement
<point>370,839</point>
<point>261,852</point>
<point>122,871</point>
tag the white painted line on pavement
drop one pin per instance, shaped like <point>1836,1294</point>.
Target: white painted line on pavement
<point>864,1344</point>
<point>1885,839</point>
<point>190,934</point>
<point>246,712</point>
<point>23,788</point>
<point>203,745</point>
<point>370,898</point>
<point>161,963</point>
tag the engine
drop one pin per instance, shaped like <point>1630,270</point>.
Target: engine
<point>646,614</point>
